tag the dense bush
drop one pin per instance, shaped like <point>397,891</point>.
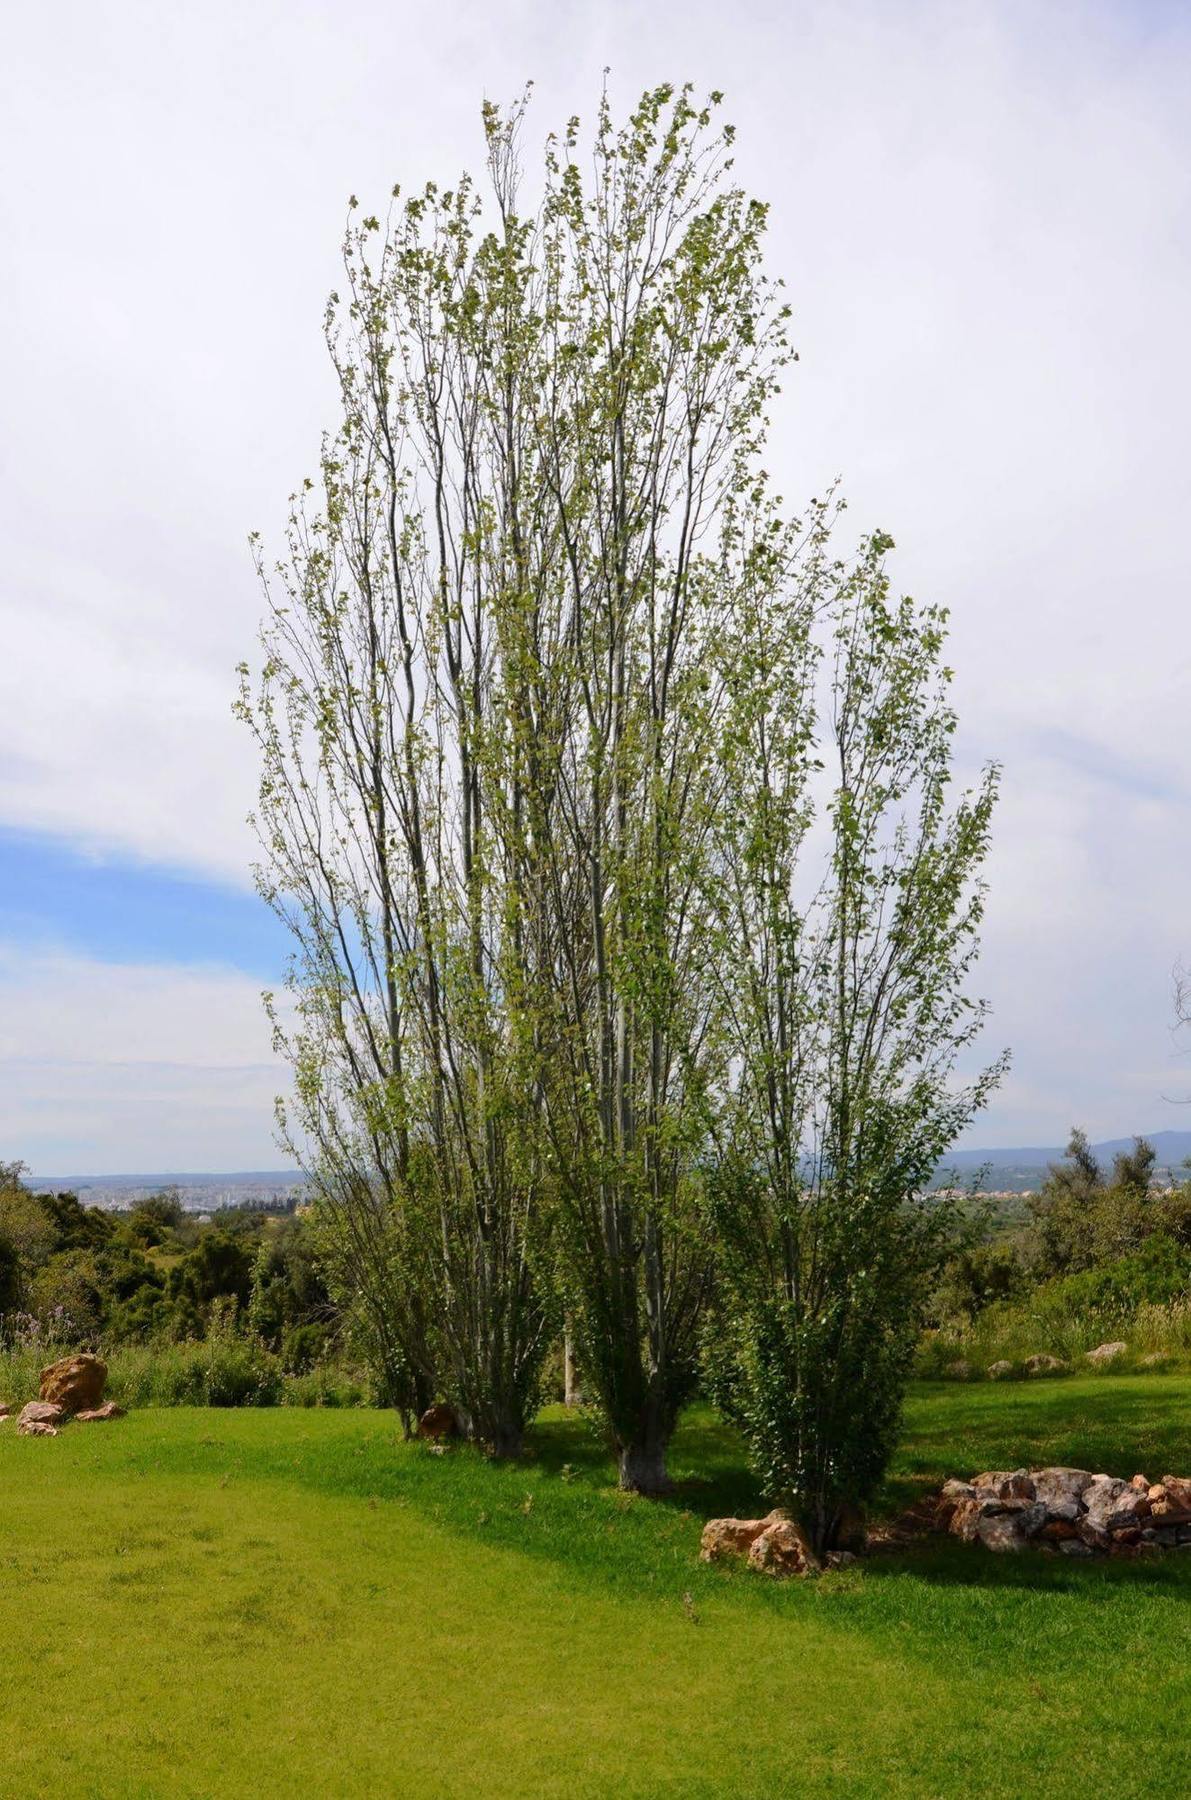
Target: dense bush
<point>155,1274</point>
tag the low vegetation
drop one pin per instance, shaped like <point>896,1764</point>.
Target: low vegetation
<point>1102,1255</point>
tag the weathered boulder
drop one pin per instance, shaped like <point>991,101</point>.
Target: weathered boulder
<point>1012,1526</point>
<point>41,1418</point>
<point>5,1409</point>
<point>439,1421</point>
<point>1044,1364</point>
<point>781,1549</point>
<point>965,1519</point>
<point>1170,1502</point>
<point>733,1537</point>
<point>1106,1353</point>
<point>1061,1490</point>
<point>1111,1505</point>
<point>1000,1370</point>
<point>1005,1484</point>
<point>1075,1547</point>
<point>109,1410</point>
<point>75,1383</point>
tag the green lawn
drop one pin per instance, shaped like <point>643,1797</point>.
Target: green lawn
<point>295,1603</point>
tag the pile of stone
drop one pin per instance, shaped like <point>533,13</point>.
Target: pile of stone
<point>1071,1511</point>
<point>70,1389</point>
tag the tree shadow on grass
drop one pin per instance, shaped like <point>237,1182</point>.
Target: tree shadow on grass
<point>941,1563</point>
<point>709,1475</point>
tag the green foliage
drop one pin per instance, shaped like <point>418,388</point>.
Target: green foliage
<point>978,1275</point>
<point>846,1011</point>
<point>150,1222</point>
<point>304,1346</point>
<point>1156,1273</point>
<point>72,1275</point>
<point>1082,1217</point>
<point>1104,1255</point>
<point>218,1268</point>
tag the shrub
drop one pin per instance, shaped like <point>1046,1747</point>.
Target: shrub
<point>304,1346</point>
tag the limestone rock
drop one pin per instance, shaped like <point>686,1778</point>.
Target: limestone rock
<point>1000,1371</point>
<point>1106,1353</point>
<point>109,1410</point>
<point>75,1383</point>
<point>781,1549</point>
<point>1170,1500</point>
<point>1044,1364</point>
<point>965,1520</point>
<point>1070,1510</point>
<point>1005,1484</point>
<point>41,1418</point>
<point>732,1537</point>
<point>1113,1505</point>
<point>1011,1528</point>
<point>1061,1489</point>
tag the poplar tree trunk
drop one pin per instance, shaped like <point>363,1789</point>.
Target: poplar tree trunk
<point>572,1393</point>
<point>642,1461</point>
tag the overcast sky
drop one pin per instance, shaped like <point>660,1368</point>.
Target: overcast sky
<point>982,214</point>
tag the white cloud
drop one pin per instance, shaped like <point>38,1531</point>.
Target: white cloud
<point>982,215</point>
<point>109,1067</point>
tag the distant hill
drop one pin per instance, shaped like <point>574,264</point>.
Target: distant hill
<point>1173,1147</point>
<point>1015,1170</point>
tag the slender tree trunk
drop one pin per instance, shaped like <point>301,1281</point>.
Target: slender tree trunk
<point>642,1462</point>
<point>572,1393</point>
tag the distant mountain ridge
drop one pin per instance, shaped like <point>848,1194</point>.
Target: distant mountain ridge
<point>1016,1169</point>
<point>1172,1149</point>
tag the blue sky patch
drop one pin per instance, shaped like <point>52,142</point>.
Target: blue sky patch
<point>117,910</point>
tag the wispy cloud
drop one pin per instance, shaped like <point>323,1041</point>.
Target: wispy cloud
<point>111,1066</point>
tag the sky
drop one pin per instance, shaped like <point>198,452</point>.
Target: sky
<point>983,217</point>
